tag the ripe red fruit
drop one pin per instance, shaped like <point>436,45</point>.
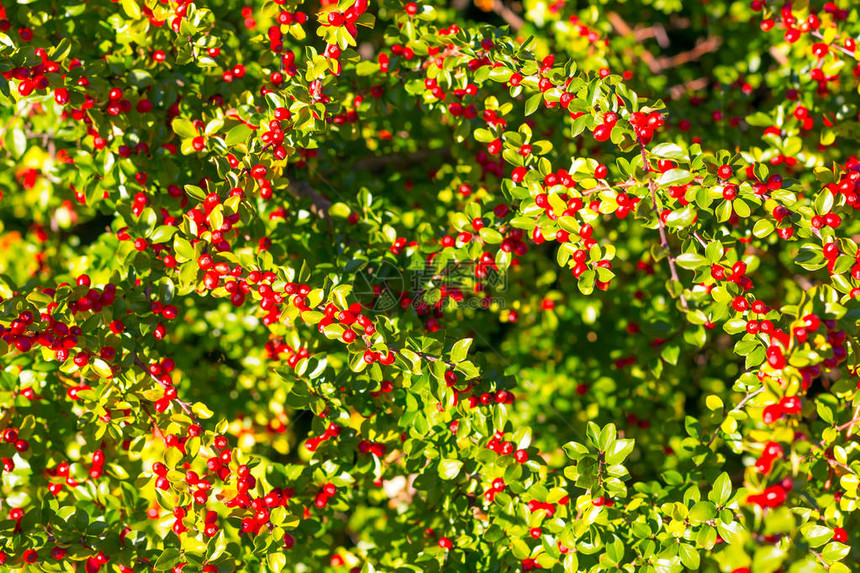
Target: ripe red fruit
<point>772,413</point>
<point>725,172</point>
<point>790,404</point>
<point>211,280</point>
<point>840,535</point>
<point>602,132</point>
<point>445,543</point>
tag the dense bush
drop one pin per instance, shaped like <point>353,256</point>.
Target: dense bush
<point>387,287</point>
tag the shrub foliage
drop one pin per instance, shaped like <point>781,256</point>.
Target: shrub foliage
<point>418,287</point>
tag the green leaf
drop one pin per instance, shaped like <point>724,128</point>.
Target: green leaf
<point>162,234</point>
<point>682,218</point>
<point>575,450</point>
<point>490,236</point>
<point>763,228</point>
<point>689,556</point>
<point>619,451</point>
<point>522,437</point>
<point>835,551</point>
<point>168,559</point>
<point>675,177</point>
<point>606,441</point>
<point>16,142</point>
<point>484,135</point>
<point>101,368</point>
<point>816,535</point>
<point>195,192</point>
<point>721,490</point>
<point>276,561</point>
<point>691,261</point>
<point>532,103</point>
<point>184,128</point>
<point>730,532</point>
<point>724,211</point>
<point>339,210</point>
<point>460,350</point>
<point>238,134</point>
<point>131,8</point>
<point>759,119</point>
<point>520,549</point>
<point>669,151</point>
<point>201,410</point>
<point>702,511</point>
<point>183,249</point>
<point>449,469</point>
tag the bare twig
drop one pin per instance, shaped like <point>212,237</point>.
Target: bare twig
<point>804,283</point>
<point>680,90</point>
<point>855,419</point>
<point>623,29</point>
<point>737,408</point>
<point>836,47</point>
<point>512,18</point>
<point>400,160</point>
<point>12,119</point>
<point>319,204</point>
<point>664,239</point>
<point>706,46</point>
<point>181,403</point>
<point>778,55</point>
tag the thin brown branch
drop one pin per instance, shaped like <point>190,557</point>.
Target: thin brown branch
<point>737,408</point>
<point>623,29</point>
<point>181,403</point>
<point>509,16</point>
<point>664,239</point>
<point>319,204</point>
<point>777,55</point>
<point>804,283</point>
<point>836,47</point>
<point>706,46</point>
<point>855,419</point>
<point>400,160</point>
<point>680,90</point>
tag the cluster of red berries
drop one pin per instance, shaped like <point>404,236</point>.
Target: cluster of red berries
<point>771,497</point>
<point>274,136</point>
<point>772,452</point>
<point>644,125</point>
<point>55,334</point>
<point>505,448</point>
<point>603,131</point>
<point>10,436</point>
<point>377,449</point>
<point>332,431</point>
